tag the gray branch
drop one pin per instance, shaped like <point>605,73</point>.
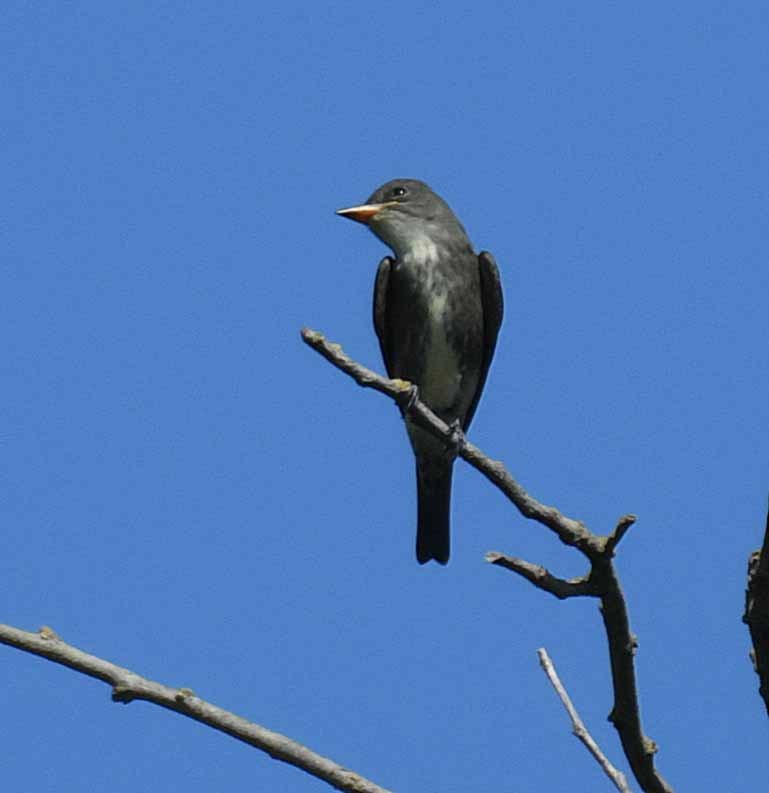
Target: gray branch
<point>570,531</point>
<point>541,577</point>
<point>602,581</point>
<point>578,726</point>
<point>127,686</point>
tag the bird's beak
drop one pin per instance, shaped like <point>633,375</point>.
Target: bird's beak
<point>364,213</point>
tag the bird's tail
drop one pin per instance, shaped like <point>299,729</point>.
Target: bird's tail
<point>433,507</point>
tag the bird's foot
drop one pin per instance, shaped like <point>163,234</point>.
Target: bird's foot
<point>456,440</point>
<point>413,397</point>
<point>408,394</point>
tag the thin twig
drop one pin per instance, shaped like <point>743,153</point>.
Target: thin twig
<point>127,686</point>
<point>578,726</point>
<point>614,539</point>
<point>541,577</point>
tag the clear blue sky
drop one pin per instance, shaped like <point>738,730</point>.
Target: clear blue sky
<point>191,492</point>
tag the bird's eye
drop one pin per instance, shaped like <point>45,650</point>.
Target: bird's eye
<point>397,192</point>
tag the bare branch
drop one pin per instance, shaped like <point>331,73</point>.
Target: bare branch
<point>570,531</point>
<point>603,581</point>
<point>578,726</point>
<point>541,577</point>
<point>614,539</point>
<point>756,615</point>
<point>626,714</point>
<point>128,686</point>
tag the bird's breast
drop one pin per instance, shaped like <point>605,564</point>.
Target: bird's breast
<point>437,344</point>
<point>442,373</point>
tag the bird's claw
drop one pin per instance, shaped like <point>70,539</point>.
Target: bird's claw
<point>413,397</point>
<point>456,439</point>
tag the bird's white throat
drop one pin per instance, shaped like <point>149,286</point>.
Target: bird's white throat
<point>420,260</point>
<point>421,251</point>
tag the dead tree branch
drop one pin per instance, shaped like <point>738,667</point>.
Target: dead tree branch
<point>578,726</point>
<point>756,615</point>
<point>127,686</point>
<point>601,581</point>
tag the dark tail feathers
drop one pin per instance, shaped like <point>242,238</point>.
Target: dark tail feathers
<point>434,507</point>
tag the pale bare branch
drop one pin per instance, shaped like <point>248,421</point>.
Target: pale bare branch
<point>128,686</point>
<point>570,531</point>
<point>578,726</point>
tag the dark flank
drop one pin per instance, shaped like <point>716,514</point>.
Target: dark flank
<point>437,313</point>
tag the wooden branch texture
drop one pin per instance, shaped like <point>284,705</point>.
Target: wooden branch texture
<point>601,581</point>
<point>127,686</point>
<point>578,726</point>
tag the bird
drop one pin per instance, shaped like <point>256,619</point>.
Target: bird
<point>437,310</point>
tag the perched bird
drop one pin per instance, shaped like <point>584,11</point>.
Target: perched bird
<point>437,312</point>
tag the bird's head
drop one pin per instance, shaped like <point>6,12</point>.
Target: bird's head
<point>406,213</point>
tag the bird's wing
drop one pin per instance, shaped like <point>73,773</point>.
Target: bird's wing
<point>381,286</point>
<point>493,308</point>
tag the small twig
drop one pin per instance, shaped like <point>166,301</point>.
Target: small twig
<point>128,686</point>
<point>756,615</point>
<point>614,539</point>
<point>541,577</point>
<point>578,726</point>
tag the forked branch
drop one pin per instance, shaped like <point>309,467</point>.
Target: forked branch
<point>601,581</point>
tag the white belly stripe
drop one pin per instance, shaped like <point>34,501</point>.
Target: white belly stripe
<point>441,379</point>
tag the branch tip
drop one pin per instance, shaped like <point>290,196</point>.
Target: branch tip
<point>543,579</point>
<point>127,686</point>
<point>311,336</point>
<point>578,726</point>
<point>613,540</point>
